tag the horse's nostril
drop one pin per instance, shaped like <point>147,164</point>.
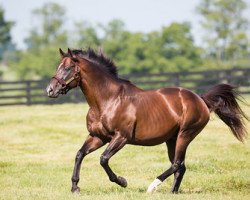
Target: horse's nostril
<point>49,91</point>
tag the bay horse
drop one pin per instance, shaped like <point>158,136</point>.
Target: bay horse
<point>121,113</point>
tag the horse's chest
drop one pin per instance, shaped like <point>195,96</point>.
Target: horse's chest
<point>96,127</point>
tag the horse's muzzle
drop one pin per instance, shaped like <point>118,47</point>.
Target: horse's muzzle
<point>51,93</point>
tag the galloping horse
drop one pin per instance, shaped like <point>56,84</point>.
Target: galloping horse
<point>121,113</point>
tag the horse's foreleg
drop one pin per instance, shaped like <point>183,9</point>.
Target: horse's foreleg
<point>117,143</point>
<point>91,144</point>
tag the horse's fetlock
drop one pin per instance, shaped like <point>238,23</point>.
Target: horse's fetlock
<point>113,179</point>
<point>75,179</point>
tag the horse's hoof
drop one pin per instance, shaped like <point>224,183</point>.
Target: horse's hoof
<point>122,181</point>
<point>75,190</point>
<point>153,186</point>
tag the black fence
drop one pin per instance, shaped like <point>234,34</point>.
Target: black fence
<point>31,92</point>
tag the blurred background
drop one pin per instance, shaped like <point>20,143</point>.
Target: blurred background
<point>143,36</point>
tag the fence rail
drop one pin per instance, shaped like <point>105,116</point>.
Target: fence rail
<point>31,92</point>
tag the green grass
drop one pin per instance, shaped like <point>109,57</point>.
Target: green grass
<point>38,146</point>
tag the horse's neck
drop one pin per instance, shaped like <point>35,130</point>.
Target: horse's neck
<point>99,88</point>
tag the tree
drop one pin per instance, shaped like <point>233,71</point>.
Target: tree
<point>51,18</point>
<point>132,53</point>
<point>86,35</point>
<point>114,42</point>
<point>177,46</point>
<point>41,56</point>
<point>226,28</point>
<point>170,49</point>
<point>5,36</point>
<point>114,38</point>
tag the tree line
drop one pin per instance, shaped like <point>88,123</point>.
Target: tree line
<point>169,49</point>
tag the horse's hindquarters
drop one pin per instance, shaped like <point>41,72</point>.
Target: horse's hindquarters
<point>162,114</point>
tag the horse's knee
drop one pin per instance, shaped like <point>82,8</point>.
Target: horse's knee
<point>103,160</point>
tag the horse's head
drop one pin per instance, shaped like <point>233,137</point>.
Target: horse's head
<point>67,75</point>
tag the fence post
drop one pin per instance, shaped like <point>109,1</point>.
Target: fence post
<point>177,80</point>
<point>228,76</point>
<point>28,95</point>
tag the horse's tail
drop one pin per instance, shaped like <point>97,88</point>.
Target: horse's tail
<point>222,100</point>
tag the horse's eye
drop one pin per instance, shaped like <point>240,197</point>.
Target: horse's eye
<point>69,67</point>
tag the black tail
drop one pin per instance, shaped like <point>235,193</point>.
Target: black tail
<point>222,100</point>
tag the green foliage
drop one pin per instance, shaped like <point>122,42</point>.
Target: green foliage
<point>226,28</point>
<point>5,37</point>
<point>50,31</point>
<point>177,45</point>
<point>41,56</point>
<point>38,64</point>
<point>114,39</point>
<point>170,49</point>
<point>85,35</point>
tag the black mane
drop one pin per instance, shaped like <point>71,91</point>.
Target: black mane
<point>97,58</point>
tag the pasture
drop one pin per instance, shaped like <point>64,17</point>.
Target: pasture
<point>38,145</point>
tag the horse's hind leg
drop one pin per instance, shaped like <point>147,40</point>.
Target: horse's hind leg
<point>171,144</point>
<point>177,158</point>
<point>91,144</point>
<point>178,175</point>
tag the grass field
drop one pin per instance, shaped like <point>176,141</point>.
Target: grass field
<point>38,146</point>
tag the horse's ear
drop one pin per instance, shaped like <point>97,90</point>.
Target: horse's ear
<point>73,57</point>
<point>70,53</point>
<point>61,53</point>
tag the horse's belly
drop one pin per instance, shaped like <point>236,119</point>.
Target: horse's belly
<point>155,132</point>
<point>151,141</point>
